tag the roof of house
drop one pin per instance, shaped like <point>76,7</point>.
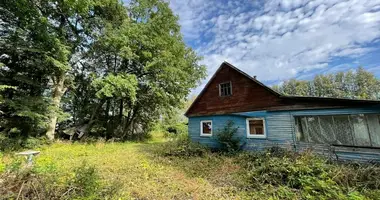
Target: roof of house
<point>281,96</point>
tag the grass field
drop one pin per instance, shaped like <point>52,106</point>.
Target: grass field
<point>141,172</point>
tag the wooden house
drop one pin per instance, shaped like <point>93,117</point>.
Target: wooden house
<point>342,128</point>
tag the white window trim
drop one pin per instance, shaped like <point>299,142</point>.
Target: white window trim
<point>220,89</point>
<point>264,128</point>
<point>201,124</point>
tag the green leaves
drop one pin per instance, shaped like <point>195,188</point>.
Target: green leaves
<point>359,84</point>
<point>120,67</point>
<point>116,86</point>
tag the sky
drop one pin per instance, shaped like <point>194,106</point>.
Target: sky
<point>281,39</point>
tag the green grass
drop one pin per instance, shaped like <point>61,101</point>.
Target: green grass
<point>143,173</point>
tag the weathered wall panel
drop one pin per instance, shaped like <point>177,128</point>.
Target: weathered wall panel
<point>281,132</point>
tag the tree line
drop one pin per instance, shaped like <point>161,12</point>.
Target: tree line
<point>94,67</point>
<point>353,84</point>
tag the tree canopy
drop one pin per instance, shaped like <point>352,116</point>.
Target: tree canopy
<point>358,84</point>
<point>94,67</point>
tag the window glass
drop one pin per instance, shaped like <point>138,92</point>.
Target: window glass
<point>314,129</point>
<point>354,130</point>
<point>300,134</point>
<point>206,128</point>
<point>343,132</point>
<point>359,124</point>
<point>374,129</point>
<point>225,89</point>
<point>256,127</point>
<point>304,129</point>
<point>327,129</point>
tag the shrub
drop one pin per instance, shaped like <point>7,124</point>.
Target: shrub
<point>307,176</point>
<point>226,137</point>
<point>174,130</point>
<point>85,182</point>
<point>18,143</point>
<point>182,146</point>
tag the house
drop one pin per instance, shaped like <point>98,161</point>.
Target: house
<point>342,128</point>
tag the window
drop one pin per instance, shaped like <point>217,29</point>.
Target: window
<point>352,130</point>
<point>256,128</point>
<point>206,128</point>
<point>225,89</point>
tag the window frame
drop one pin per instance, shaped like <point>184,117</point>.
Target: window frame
<point>351,134</point>
<point>201,128</point>
<point>248,129</point>
<point>220,89</point>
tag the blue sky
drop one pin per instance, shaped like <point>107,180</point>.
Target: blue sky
<point>282,39</point>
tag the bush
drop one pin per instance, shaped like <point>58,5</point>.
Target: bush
<point>307,176</point>
<point>85,184</point>
<point>182,146</point>
<point>174,130</point>
<point>14,144</point>
<point>226,137</point>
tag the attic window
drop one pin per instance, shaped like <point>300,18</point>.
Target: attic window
<point>225,89</point>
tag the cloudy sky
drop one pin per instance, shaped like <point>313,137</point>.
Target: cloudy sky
<point>282,39</point>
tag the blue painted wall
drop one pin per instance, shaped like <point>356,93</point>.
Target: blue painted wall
<point>280,130</point>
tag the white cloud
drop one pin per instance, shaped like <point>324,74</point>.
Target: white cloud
<point>278,39</point>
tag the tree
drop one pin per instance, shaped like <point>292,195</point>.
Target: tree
<point>57,33</point>
<point>359,84</point>
<point>97,65</point>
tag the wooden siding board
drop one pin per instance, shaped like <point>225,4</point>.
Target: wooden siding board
<point>281,132</point>
<point>242,98</point>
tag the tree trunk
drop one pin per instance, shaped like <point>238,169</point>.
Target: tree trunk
<point>59,90</point>
<point>121,108</point>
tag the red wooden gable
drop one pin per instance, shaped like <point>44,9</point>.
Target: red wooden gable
<point>248,94</point>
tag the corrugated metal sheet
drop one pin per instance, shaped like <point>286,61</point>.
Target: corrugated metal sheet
<point>281,132</point>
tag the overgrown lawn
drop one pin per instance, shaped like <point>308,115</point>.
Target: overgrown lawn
<point>147,171</point>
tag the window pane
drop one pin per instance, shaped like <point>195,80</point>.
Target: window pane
<point>225,89</point>
<point>374,129</point>
<point>300,135</point>
<point>327,129</point>
<point>359,124</point>
<point>313,129</point>
<point>206,127</point>
<point>343,132</point>
<point>256,127</point>
<point>229,89</point>
<point>304,129</point>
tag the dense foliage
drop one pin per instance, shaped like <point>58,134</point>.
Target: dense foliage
<point>358,84</point>
<point>281,174</point>
<point>227,138</point>
<point>287,175</point>
<point>92,68</point>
